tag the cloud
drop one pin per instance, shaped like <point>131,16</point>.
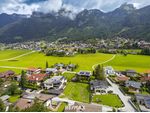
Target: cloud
<point>75,6</point>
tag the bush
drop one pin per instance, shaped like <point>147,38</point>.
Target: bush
<point>110,92</point>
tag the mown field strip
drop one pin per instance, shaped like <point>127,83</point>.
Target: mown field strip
<point>104,62</point>
<point>18,56</point>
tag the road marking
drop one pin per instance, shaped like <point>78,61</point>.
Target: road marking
<point>18,56</point>
<point>93,67</point>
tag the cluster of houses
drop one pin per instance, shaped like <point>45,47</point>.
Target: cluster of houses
<point>134,82</point>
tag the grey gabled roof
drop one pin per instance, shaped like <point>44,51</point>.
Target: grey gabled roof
<point>130,71</point>
<point>54,80</point>
<point>133,84</point>
<point>4,97</point>
<point>98,84</point>
<point>145,98</point>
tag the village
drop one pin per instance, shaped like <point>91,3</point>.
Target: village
<point>72,87</point>
<point>47,87</point>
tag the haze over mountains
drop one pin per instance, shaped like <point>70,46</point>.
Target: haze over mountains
<point>125,21</point>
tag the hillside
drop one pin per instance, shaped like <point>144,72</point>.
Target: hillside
<point>125,21</point>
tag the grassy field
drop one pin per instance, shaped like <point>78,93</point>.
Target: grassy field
<point>85,61</point>
<point>137,62</point>
<point>68,76</point>
<point>11,53</point>
<point>77,91</point>
<point>108,99</point>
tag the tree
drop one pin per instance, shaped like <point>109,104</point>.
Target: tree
<point>1,81</point>
<point>13,89</point>
<point>47,64</point>
<point>2,106</point>
<point>102,73</point>
<point>145,51</point>
<point>97,72</point>
<point>23,80</point>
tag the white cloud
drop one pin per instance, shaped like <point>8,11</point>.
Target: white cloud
<point>20,7</point>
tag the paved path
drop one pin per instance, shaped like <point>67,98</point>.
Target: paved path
<point>18,56</point>
<point>69,72</point>
<point>93,67</point>
<point>125,99</point>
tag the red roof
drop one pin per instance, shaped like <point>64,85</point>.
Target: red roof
<point>148,71</point>
<point>122,78</point>
<point>32,69</point>
<point>145,78</point>
<point>37,77</point>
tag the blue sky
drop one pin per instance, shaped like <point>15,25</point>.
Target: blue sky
<point>28,6</point>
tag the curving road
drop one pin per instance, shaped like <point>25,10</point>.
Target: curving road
<point>125,99</point>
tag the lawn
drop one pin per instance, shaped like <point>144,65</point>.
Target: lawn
<point>62,107</point>
<point>108,99</point>
<point>13,99</point>
<point>77,91</point>
<point>69,76</point>
<point>136,62</point>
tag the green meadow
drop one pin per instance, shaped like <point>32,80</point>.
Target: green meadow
<point>37,59</point>
<point>139,63</point>
<point>77,91</point>
<point>85,61</point>
<point>6,54</point>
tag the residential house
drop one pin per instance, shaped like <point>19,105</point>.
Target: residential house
<point>99,87</point>
<point>59,66</point>
<point>37,78</point>
<point>7,74</point>
<point>143,101</point>
<point>145,79</point>
<point>56,82</point>
<point>131,73</point>
<point>109,70</point>
<point>24,103</point>
<point>84,75</point>
<point>83,107</point>
<point>5,98</point>
<point>70,67</point>
<point>122,78</point>
<point>147,73</point>
<point>33,70</point>
<point>51,71</point>
<point>27,100</point>
<point>133,86</point>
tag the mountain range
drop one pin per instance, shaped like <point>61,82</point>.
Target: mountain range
<point>125,21</point>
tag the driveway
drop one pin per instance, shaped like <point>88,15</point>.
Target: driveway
<point>125,99</point>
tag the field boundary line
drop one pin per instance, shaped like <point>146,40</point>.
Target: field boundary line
<point>11,67</point>
<point>25,54</point>
<point>104,62</point>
